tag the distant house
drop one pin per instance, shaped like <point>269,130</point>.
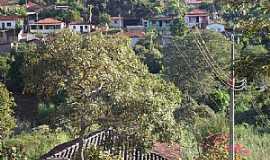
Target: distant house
<point>197,17</point>
<point>47,25</point>
<point>216,27</point>
<point>193,2</point>
<point>124,22</point>
<point>80,27</point>
<point>10,22</point>
<point>159,22</point>
<point>61,7</point>
<point>117,22</point>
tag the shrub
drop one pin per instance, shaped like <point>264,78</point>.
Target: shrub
<point>7,121</point>
<point>215,147</point>
<point>33,145</point>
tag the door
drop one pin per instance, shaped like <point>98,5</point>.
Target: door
<point>3,25</point>
<point>81,29</point>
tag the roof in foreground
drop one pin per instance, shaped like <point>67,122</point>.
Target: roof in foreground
<point>168,151</point>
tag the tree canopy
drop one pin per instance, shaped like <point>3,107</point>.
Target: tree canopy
<point>105,84</point>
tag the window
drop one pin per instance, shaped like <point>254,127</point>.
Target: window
<point>85,27</point>
<point>9,24</point>
<point>160,23</point>
<point>74,27</point>
<point>57,27</point>
<point>40,27</point>
<point>115,21</point>
<point>33,27</point>
<point>145,24</point>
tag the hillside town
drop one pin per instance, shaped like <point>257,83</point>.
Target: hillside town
<point>30,27</point>
<point>134,79</point>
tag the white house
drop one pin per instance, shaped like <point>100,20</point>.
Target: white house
<point>216,27</point>
<point>80,27</point>
<point>117,22</point>
<point>47,25</point>
<point>197,17</point>
<point>193,2</point>
<point>10,22</point>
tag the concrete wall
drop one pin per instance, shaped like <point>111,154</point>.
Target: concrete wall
<point>44,30</point>
<point>7,24</point>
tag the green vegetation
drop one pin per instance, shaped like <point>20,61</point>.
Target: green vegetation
<point>71,84</point>
<point>7,120</point>
<point>32,145</point>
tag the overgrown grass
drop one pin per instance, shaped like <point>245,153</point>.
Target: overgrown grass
<point>34,144</point>
<point>258,143</point>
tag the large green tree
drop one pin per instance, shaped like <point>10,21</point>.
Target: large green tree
<point>106,84</point>
<point>189,69</point>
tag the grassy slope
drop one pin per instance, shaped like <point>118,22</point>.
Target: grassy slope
<point>258,143</point>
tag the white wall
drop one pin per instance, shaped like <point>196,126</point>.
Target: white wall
<point>117,23</point>
<point>44,30</point>
<point>216,27</point>
<point>12,24</point>
<point>77,28</point>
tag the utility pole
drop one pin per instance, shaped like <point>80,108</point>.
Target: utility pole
<point>90,8</point>
<point>232,142</point>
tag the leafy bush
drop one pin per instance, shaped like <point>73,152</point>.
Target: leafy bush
<point>221,99</point>
<point>215,147</point>
<point>45,113</point>
<point>33,145</point>
<point>7,121</point>
<point>97,154</point>
<point>4,67</point>
<point>258,142</point>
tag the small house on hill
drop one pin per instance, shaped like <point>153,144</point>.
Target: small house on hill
<point>47,25</point>
<point>10,22</point>
<point>80,27</point>
<point>198,18</point>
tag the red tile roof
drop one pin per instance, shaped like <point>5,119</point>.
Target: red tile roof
<point>170,152</point>
<point>49,21</point>
<point>10,18</point>
<point>31,4</point>
<point>200,12</point>
<point>4,2</point>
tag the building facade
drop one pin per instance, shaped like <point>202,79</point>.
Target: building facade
<point>47,25</point>
<point>197,18</point>
<point>10,22</point>
<point>80,27</point>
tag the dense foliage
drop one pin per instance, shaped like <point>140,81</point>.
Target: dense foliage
<point>7,120</point>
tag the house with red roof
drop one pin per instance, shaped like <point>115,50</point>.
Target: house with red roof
<point>197,17</point>
<point>10,22</point>
<point>47,25</point>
